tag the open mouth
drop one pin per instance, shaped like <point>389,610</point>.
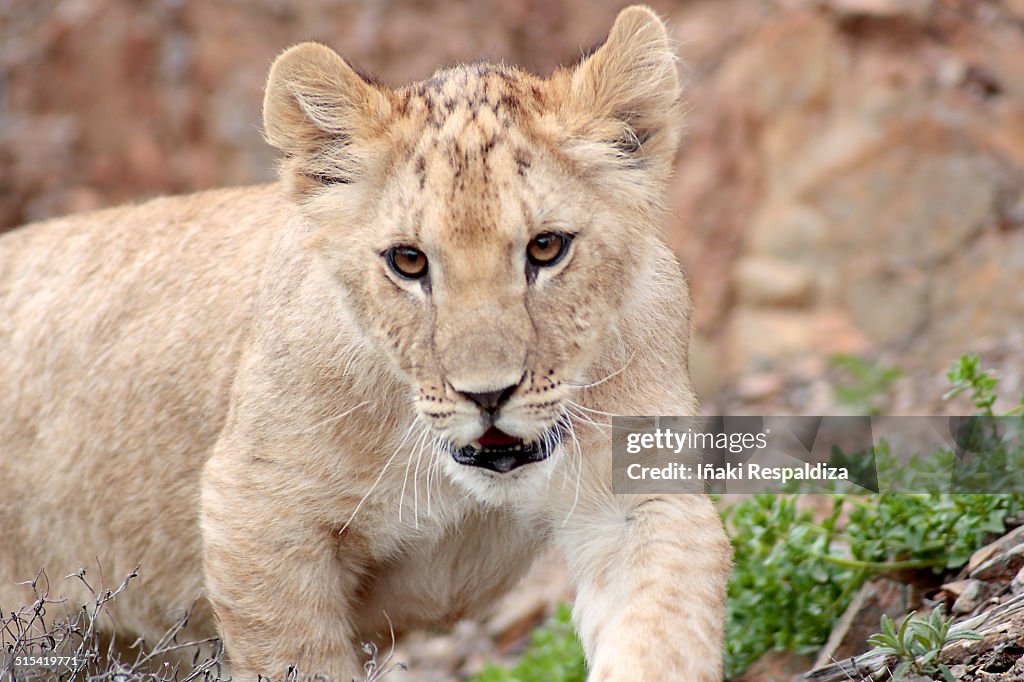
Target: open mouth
<point>500,452</point>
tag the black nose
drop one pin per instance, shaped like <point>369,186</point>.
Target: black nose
<point>492,400</point>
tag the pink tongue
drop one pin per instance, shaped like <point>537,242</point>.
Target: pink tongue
<point>496,438</point>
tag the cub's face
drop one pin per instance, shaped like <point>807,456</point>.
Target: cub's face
<point>486,227</point>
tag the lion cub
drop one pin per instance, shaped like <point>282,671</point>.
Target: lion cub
<point>367,395</point>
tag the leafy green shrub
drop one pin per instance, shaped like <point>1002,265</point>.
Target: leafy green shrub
<point>783,593</point>
<point>553,655</point>
<point>966,375</point>
<point>863,385</point>
<point>793,576</point>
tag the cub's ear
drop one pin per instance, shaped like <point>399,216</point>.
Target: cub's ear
<point>323,115</point>
<point>628,91</point>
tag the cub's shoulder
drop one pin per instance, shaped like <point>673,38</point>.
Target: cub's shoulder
<point>200,220</point>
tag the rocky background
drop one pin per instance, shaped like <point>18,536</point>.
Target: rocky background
<point>852,181</point>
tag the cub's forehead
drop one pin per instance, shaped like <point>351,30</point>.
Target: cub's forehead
<point>468,111</point>
<point>501,93</point>
<point>471,134</point>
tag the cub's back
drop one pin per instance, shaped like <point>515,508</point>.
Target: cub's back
<point>119,334</point>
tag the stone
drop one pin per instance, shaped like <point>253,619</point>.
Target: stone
<point>790,232</point>
<point>954,589</point>
<point>978,295</point>
<point>918,10</point>
<point>971,597</point>
<point>1016,7</point>
<point>765,282</point>
<point>776,665</point>
<point>800,50</point>
<point>757,387</point>
<point>888,306</point>
<point>1002,566</point>
<point>758,339</point>
<point>707,366</point>
<point>990,551</point>
<point>914,199</point>
<point>958,671</point>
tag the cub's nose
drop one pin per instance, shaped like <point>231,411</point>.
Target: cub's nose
<point>491,401</point>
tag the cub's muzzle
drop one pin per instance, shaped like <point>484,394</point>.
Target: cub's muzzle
<point>500,452</point>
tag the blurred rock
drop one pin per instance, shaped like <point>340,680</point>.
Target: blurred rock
<point>1003,566</point>
<point>860,161</point>
<point>1015,6</point>
<point>994,550</point>
<point>758,387</point>
<point>762,281</point>
<point>760,339</point>
<point>707,366</point>
<point>789,232</point>
<point>913,9</point>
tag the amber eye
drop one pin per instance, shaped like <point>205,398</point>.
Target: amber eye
<point>407,262</point>
<point>547,248</point>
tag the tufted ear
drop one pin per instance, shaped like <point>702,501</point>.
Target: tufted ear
<point>631,81</point>
<point>323,115</point>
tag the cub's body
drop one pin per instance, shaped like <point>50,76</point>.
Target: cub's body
<point>240,392</point>
<point>122,332</point>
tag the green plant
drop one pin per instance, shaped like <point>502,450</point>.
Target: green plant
<point>793,576</point>
<point>553,655</point>
<point>966,375</point>
<point>783,593</point>
<point>917,643</point>
<point>864,384</point>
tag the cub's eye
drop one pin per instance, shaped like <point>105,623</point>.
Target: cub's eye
<point>547,248</point>
<point>407,262</point>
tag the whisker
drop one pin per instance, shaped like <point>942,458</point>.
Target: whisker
<point>591,409</point>
<point>579,473</point>
<point>434,467</point>
<point>383,470</point>
<point>405,478</point>
<point>573,411</point>
<point>416,483</point>
<point>430,458</point>
<point>353,357</point>
<point>337,416</point>
<point>606,378</point>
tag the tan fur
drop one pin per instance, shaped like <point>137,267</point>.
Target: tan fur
<point>233,390</point>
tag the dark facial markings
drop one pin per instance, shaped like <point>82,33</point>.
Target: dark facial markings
<point>421,170</point>
<point>474,89</point>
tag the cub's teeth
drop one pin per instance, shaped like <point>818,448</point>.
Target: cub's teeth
<point>476,445</point>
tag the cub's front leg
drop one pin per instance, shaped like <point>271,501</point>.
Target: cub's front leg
<point>282,592</point>
<point>650,575</point>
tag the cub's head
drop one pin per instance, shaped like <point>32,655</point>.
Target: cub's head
<point>486,227</point>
